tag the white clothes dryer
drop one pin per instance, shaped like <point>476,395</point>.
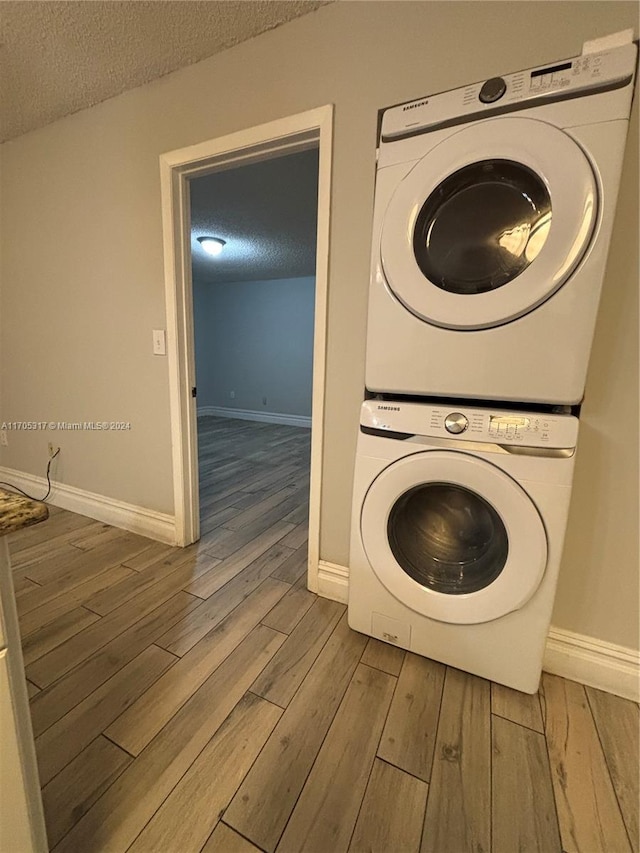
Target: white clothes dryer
<point>493,211</point>
<point>457,531</point>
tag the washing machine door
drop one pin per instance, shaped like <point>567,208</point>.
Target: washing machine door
<point>489,224</point>
<point>453,537</point>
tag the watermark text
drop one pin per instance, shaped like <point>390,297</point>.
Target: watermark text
<point>61,426</point>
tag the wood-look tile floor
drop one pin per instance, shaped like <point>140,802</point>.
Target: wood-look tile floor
<point>203,700</point>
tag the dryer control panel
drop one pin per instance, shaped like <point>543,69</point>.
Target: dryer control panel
<point>470,423</point>
<point>572,78</point>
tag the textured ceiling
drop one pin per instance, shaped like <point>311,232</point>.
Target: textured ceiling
<point>265,211</point>
<point>60,57</point>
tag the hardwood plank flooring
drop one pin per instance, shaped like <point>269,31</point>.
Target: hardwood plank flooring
<point>80,595</point>
<point>264,802</point>
<point>135,728</point>
<point>524,815</point>
<point>588,810</point>
<point>325,815</point>
<point>81,646</point>
<point>409,735</point>
<point>391,813</point>
<point>219,575</point>
<point>215,704</point>
<point>76,788</point>
<point>52,703</point>
<point>22,584</point>
<point>32,690</point>
<point>295,566</point>
<point>298,535</point>
<point>213,610</point>
<point>54,633</point>
<point>119,816</point>
<point>223,839</point>
<point>57,528</point>
<point>148,556</point>
<point>72,733</point>
<point>173,577</point>
<point>458,816</point>
<point>208,785</point>
<point>521,708</point>
<point>618,723</point>
<point>280,680</point>
<point>291,608</point>
<point>383,656</point>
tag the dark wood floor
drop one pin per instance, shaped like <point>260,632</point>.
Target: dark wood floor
<point>203,700</point>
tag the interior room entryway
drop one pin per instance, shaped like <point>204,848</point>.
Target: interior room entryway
<point>267,385</point>
<point>253,261</point>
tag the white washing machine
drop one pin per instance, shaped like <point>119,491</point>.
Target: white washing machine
<point>494,206</point>
<point>458,524</point>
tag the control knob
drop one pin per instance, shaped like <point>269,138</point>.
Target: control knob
<point>492,90</point>
<point>456,423</point>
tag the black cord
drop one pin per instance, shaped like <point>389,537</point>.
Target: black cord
<point>26,494</point>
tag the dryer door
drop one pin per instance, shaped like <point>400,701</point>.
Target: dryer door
<point>453,537</point>
<point>489,224</point>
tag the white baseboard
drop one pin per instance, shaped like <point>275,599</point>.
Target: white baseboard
<point>249,415</point>
<point>614,669</point>
<point>333,581</point>
<point>137,519</point>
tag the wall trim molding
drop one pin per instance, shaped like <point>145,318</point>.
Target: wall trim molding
<point>310,129</point>
<point>136,519</point>
<point>250,415</point>
<point>594,662</point>
<point>333,581</point>
<point>588,660</point>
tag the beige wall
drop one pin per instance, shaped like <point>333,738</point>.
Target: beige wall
<point>83,280</point>
<point>598,590</point>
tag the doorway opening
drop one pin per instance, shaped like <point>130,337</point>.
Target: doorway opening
<point>295,135</point>
<point>253,304</point>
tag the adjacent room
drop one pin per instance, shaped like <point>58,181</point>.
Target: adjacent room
<point>253,311</point>
<point>233,333</point>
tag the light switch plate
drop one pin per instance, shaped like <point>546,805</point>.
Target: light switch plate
<point>159,342</point>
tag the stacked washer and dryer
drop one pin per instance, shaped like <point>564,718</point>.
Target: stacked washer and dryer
<point>493,212</point>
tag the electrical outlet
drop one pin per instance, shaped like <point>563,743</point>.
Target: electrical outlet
<point>4,441</point>
<point>264,401</point>
<point>232,394</point>
<point>52,450</point>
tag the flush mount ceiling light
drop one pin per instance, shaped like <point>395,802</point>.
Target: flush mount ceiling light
<point>212,245</point>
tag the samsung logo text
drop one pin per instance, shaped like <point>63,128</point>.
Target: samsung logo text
<point>416,104</point>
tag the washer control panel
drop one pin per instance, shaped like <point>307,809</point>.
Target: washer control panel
<point>572,78</point>
<point>456,423</point>
<point>492,90</point>
<point>493,426</point>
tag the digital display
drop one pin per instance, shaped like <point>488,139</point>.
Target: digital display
<point>551,70</point>
<point>507,421</point>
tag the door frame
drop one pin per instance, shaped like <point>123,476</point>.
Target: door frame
<point>283,136</point>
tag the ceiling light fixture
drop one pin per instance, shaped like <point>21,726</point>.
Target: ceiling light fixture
<point>212,245</point>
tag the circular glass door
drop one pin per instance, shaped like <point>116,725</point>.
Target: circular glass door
<point>453,537</point>
<point>488,224</point>
<point>482,226</point>
<point>447,538</point>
